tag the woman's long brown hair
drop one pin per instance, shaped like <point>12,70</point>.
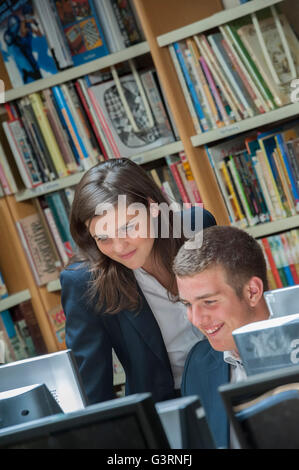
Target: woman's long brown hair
<point>113,286</point>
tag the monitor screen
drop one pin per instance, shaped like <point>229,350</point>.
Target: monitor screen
<point>58,371</point>
<point>282,301</point>
<point>257,399</point>
<point>185,423</point>
<point>124,423</point>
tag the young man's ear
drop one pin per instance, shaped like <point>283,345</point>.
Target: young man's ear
<point>253,291</point>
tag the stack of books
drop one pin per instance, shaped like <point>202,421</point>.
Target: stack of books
<point>242,70</point>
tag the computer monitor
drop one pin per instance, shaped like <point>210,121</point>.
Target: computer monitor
<point>24,404</point>
<point>58,371</point>
<point>284,301</point>
<point>268,425</point>
<point>124,423</point>
<point>185,423</point>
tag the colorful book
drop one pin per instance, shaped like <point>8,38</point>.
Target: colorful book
<point>37,249</point>
<point>82,30</point>
<point>23,44</point>
<point>194,96</point>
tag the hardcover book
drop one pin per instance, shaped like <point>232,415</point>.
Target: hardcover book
<point>38,249</point>
<point>113,115</point>
<point>269,344</point>
<point>23,44</point>
<point>82,30</point>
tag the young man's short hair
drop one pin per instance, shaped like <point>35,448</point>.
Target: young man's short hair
<point>229,247</point>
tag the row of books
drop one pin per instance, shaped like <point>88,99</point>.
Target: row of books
<point>242,70</point>
<point>282,258</point>
<point>258,175</point>
<point>20,335</point>
<point>71,127</point>
<point>40,37</point>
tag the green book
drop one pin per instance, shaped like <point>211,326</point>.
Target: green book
<point>278,261</point>
<point>232,30</point>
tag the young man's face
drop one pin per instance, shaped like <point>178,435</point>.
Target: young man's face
<point>214,307</point>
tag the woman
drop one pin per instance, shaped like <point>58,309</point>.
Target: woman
<point>120,295</point>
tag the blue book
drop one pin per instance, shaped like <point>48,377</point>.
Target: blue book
<point>70,124</point>
<point>56,205</point>
<point>288,166</point>
<point>82,29</point>
<point>23,43</point>
<point>191,87</point>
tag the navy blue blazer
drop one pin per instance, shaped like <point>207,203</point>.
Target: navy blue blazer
<point>136,339</point>
<point>205,370</point>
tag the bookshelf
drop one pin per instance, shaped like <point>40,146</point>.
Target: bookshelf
<point>163,23</point>
<point>74,179</point>
<point>14,299</point>
<point>286,112</point>
<point>217,19</point>
<point>78,71</point>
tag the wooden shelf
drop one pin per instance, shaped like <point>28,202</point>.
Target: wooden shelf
<point>284,112</point>
<point>74,179</point>
<point>14,299</point>
<point>213,21</point>
<point>79,71</point>
<point>263,230</point>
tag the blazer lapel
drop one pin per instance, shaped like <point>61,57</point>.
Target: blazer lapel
<point>216,374</point>
<point>145,323</point>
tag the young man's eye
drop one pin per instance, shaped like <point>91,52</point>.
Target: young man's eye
<point>210,302</point>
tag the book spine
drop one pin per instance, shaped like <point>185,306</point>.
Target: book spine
<point>234,172</point>
<point>98,132</point>
<point>178,180</point>
<point>104,124</point>
<point>185,91</point>
<point>59,213</point>
<point>251,66</point>
<point>237,210</point>
<point>21,153</point>
<point>278,261</point>
<point>190,178</point>
<point>289,256</point>
<point>205,87</point>
<point>268,253</point>
<point>243,77</point>
<point>190,85</point>
<point>281,146</point>
<point>48,135</point>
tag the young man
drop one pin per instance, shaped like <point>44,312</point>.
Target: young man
<point>222,283</point>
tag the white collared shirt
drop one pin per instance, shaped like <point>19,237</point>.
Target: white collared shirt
<point>237,374</point>
<point>178,333</point>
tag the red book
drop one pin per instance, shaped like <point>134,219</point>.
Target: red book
<point>289,256</point>
<point>179,182</point>
<point>274,269</point>
<point>91,120</point>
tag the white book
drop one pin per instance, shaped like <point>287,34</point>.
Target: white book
<point>8,173</point>
<point>109,24</point>
<point>17,156</point>
<point>55,37</point>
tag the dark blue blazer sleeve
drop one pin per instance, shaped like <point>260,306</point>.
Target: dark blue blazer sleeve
<point>87,336</point>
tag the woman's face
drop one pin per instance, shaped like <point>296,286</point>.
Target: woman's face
<point>124,237</point>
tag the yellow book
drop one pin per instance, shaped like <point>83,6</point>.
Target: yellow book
<point>240,217</point>
<point>38,109</point>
